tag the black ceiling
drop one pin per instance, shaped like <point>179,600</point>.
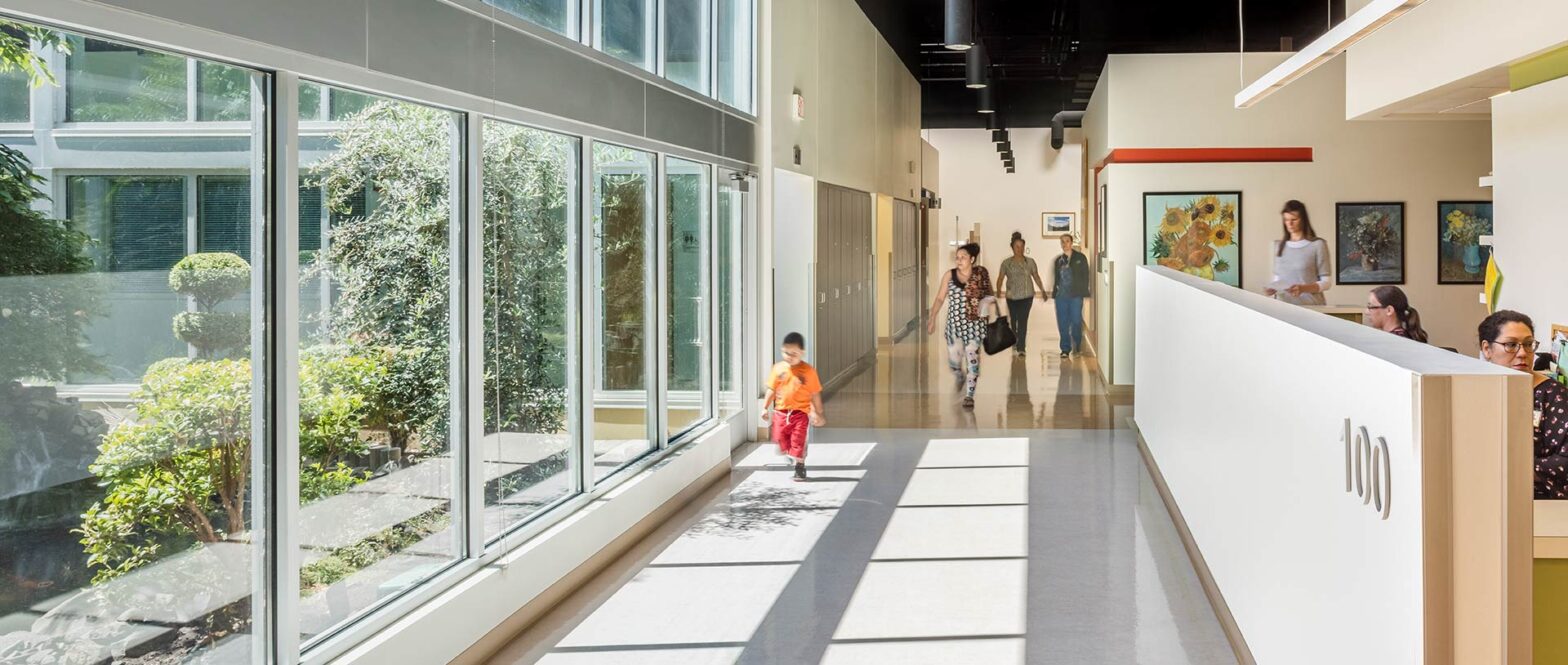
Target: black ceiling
<point>1046,54</point>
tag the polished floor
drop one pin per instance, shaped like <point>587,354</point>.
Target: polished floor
<point>1025,531</point>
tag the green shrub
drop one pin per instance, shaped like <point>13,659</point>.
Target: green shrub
<point>213,332</point>
<point>210,277</point>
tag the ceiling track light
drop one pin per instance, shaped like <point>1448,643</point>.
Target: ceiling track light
<point>958,24</point>
<point>987,100</point>
<point>977,67</point>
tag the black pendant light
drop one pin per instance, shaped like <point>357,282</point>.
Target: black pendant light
<point>977,67</point>
<point>958,24</point>
<point>993,121</point>
<point>998,135</point>
<point>1004,147</point>
<point>987,100</point>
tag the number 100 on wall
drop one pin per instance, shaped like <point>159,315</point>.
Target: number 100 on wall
<point>1367,468</point>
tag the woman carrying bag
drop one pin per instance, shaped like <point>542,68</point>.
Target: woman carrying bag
<point>968,287</point>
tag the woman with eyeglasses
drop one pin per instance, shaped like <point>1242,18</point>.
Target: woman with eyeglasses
<point>1508,339</point>
<point>1389,310</point>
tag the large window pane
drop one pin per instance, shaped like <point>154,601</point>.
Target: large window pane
<point>377,465</point>
<point>729,288</point>
<point>625,30</point>
<point>112,82</point>
<point>623,218</point>
<point>734,53</point>
<point>126,510</point>
<point>15,97</point>
<point>686,43</point>
<point>686,279</point>
<point>530,201</point>
<point>557,15</point>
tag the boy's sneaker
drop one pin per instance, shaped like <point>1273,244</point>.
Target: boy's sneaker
<point>800,472</point>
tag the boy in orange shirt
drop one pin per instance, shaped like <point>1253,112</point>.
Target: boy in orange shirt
<point>795,395</point>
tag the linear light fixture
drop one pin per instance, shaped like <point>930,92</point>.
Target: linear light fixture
<point>1354,28</point>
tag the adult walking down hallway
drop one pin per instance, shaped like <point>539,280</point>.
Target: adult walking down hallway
<point>1070,285</point>
<point>966,289</point>
<point>1018,278</point>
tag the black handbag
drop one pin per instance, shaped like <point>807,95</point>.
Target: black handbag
<point>998,336</point>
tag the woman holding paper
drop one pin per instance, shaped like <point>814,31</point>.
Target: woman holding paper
<point>1301,264</point>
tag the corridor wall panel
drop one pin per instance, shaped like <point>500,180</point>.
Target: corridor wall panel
<point>846,307</point>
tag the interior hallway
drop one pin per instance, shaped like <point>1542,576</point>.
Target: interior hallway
<point>1025,531</point>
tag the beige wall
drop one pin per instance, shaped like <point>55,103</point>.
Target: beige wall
<point>1530,146</point>
<point>1443,42</point>
<point>979,192</point>
<point>884,265</point>
<point>862,123</point>
<point>1417,162</point>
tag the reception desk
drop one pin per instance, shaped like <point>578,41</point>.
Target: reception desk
<point>1349,496</point>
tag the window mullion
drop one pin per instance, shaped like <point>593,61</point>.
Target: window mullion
<point>658,364</point>
<point>468,289</point>
<point>587,312</point>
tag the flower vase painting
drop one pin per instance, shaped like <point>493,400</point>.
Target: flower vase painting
<point>1198,233</point>
<point>1461,258</point>
<point>1371,243</point>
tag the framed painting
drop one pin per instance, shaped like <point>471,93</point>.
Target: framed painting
<point>1559,351</point>
<point>1054,224</point>
<point>1461,258</point>
<point>1370,243</point>
<point>1198,233</point>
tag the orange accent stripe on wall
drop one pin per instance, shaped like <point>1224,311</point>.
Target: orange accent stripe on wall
<point>1204,155</point>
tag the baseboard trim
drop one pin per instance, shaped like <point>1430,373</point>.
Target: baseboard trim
<point>1238,642</point>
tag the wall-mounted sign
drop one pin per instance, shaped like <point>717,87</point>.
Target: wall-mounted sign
<point>1367,473</point>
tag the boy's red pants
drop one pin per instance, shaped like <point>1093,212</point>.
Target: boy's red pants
<point>789,431</point>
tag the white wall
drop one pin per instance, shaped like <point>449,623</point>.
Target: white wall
<point>1529,148</point>
<point>1446,41</point>
<point>1417,162</point>
<point>978,191</point>
<point>1257,466</point>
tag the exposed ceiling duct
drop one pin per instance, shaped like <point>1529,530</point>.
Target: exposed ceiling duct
<point>1059,125</point>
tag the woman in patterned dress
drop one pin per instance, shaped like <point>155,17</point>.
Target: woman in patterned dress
<point>1508,339</point>
<point>968,286</point>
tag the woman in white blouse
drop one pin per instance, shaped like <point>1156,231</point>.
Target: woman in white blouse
<point>1301,263</point>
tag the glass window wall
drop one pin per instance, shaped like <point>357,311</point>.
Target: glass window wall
<point>625,30</point>
<point>729,285</point>
<point>687,383</point>
<point>734,52</point>
<point>686,42</point>
<point>127,510</point>
<point>623,222</point>
<point>559,16</point>
<point>378,471</point>
<point>531,200</point>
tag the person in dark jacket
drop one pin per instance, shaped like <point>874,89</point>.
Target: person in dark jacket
<point>1070,285</point>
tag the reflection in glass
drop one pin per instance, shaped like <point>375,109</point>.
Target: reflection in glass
<point>734,41</point>
<point>686,43</point>
<point>686,277</point>
<point>113,82</point>
<point>624,27</point>
<point>222,92</point>
<point>15,97</point>
<point>728,288</point>
<point>126,391</point>
<point>377,469</point>
<point>623,218</point>
<point>530,200</point>
<point>557,15</point>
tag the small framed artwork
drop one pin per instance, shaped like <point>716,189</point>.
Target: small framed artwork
<point>1371,243</point>
<point>1198,233</point>
<point>1053,224</point>
<point>1461,258</point>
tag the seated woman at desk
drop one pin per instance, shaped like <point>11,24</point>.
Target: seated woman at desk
<point>1508,339</point>
<point>1389,310</point>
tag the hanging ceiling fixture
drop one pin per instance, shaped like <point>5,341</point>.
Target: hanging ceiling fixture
<point>1365,21</point>
<point>993,122</point>
<point>958,24</point>
<point>1004,146</point>
<point>977,67</point>
<point>998,135</point>
<point>987,100</point>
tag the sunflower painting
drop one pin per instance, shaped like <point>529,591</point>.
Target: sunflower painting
<point>1197,233</point>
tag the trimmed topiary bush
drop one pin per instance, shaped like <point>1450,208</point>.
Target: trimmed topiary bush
<point>209,279</point>
<point>211,332</point>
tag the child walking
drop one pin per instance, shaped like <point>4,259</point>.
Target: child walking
<point>795,397</point>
